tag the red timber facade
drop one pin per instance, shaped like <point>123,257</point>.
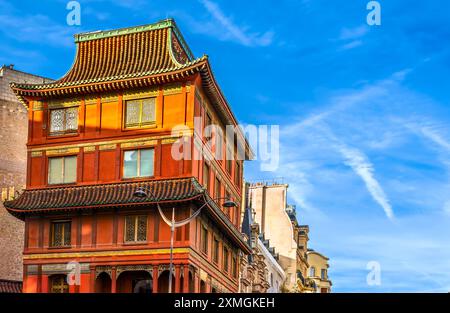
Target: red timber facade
<point>106,129</point>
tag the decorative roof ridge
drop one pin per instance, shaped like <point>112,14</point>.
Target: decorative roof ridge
<point>167,23</point>
<point>99,34</point>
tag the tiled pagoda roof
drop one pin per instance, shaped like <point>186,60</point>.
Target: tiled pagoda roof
<point>105,56</point>
<point>119,195</point>
<point>115,194</point>
<point>10,286</point>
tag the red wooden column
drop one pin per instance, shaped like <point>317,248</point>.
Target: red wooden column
<point>39,279</point>
<point>92,279</point>
<point>155,279</point>
<point>177,278</point>
<point>209,285</point>
<point>186,278</point>
<point>45,284</point>
<point>196,281</point>
<point>113,280</point>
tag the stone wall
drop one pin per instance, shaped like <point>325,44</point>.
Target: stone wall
<point>13,152</point>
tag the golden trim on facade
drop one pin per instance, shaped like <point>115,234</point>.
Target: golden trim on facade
<point>140,94</point>
<point>36,154</point>
<point>110,98</point>
<point>89,149</point>
<point>90,100</point>
<point>172,89</point>
<point>107,147</point>
<point>179,134</point>
<point>138,144</point>
<point>61,151</point>
<point>102,253</point>
<point>38,105</point>
<point>56,104</point>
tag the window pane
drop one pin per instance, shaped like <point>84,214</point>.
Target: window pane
<point>67,233</point>
<point>132,112</point>
<point>148,110</point>
<point>55,169</point>
<point>147,163</point>
<point>130,164</point>
<point>72,118</point>
<point>70,169</point>
<point>57,120</point>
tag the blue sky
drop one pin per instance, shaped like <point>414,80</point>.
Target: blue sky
<point>363,112</point>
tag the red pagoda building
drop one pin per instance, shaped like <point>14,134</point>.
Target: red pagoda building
<point>105,131</point>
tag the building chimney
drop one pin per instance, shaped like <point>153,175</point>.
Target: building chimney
<point>11,66</point>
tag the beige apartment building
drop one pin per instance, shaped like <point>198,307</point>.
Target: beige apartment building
<point>318,271</point>
<point>279,225</point>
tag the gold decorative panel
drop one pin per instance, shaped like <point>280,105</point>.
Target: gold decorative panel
<point>110,98</point>
<point>89,149</point>
<point>62,151</point>
<point>138,144</point>
<point>55,104</point>
<point>172,89</point>
<point>36,154</point>
<point>90,100</point>
<point>169,141</point>
<point>107,147</point>
<point>38,105</point>
<point>140,94</point>
<point>4,194</point>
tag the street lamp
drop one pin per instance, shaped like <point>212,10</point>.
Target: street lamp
<point>141,192</point>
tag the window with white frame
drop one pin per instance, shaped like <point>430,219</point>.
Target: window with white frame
<point>140,112</point>
<point>63,120</point>
<point>62,170</point>
<point>138,163</point>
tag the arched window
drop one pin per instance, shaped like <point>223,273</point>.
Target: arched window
<point>312,271</point>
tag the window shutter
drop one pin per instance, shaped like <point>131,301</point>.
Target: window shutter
<point>57,235</point>
<point>56,121</point>
<point>148,110</point>
<point>70,169</point>
<point>142,228</point>
<point>55,168</point>
<point>71,118</point>
<point>129,228</point>
<point>147,164</point>
<point>67,233</point>
<point>132,113</point>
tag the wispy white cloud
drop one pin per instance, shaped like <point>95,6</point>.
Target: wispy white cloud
<point>363,168</point>
<point>351,38</point>
<point>435,136</point>
<point>351,45</point>
<point>353,33</point>
<point>225,29</point>
<point>37,29</point>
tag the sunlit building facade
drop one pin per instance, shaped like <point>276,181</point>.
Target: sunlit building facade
<point>107,129</point>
